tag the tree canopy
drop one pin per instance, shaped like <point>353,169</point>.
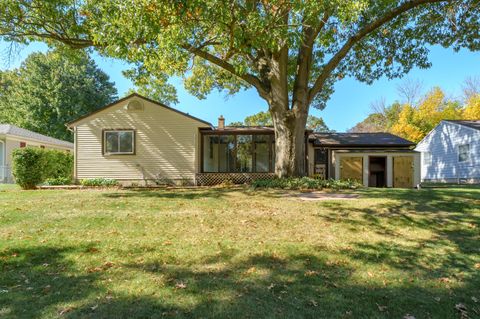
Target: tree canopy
<point>314,123</point>
<point>414,121</point>
<point>51,89</point>
<point>291,52</point>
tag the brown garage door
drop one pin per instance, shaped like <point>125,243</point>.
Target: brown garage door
<point>351,168</point>
<point>403,171</point>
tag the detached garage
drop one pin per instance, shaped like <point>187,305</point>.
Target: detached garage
<point>374,159</point>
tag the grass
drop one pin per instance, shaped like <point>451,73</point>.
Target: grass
<point>234,253</point>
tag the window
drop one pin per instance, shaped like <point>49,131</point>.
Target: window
<point>261,150</point>
<point>243,153</point>
<point>119,142</point>
<point>464,153</point>
<point>427,158</point>
<point>226,154</point>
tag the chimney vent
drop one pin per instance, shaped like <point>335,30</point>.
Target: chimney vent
<point>221,122</point>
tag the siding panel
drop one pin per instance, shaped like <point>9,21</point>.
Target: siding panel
<point>166,144</point>
<point>443,144</point>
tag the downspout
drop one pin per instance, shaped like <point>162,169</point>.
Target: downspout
<point>74,151</point>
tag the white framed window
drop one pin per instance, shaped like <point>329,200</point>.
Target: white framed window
<point>427,158</point>
<point>463,153</point>
<point>121,142</point>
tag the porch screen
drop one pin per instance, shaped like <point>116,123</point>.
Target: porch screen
<point>239,153</point>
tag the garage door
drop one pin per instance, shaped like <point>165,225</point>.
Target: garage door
<point>351,168</point>
<point>403,171</point>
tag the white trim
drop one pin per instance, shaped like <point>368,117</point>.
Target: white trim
<point>469,154</point>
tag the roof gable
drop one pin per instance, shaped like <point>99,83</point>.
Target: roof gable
<point>73,123</point>
<point>468,124</point>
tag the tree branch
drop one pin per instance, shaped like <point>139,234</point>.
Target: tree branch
<point>249,78</point>
<point>304,62</point>
<point>362,33</point>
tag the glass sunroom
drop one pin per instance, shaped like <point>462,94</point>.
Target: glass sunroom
<point>238,153</point>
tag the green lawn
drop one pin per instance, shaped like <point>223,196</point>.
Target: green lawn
<point>234,253</point>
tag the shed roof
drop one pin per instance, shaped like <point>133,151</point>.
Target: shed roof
<point>359,139</point>
<point>9,129</point>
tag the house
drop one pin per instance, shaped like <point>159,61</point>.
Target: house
<point>451,152</point>
<point>138,140</point>
<point>13,137</point>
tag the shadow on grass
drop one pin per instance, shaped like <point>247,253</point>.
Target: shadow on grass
<point>220,286</point>
<point>451,216</point>
<point>33,280</point>
<point>172,193</point>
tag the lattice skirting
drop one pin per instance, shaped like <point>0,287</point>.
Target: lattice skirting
<point>207,179</point>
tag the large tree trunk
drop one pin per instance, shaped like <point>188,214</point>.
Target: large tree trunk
<point>289,143</point>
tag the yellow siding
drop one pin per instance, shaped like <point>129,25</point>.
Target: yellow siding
<point>166,144</point>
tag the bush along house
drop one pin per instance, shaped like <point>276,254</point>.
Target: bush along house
<point>138,140</point>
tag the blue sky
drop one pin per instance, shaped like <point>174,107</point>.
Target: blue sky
<point>348,105</point>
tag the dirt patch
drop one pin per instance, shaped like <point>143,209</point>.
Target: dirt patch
<point>313,196</point>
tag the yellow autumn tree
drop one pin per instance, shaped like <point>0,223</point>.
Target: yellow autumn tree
<point>472,108</point>
<point>405,126</point>
<point>414,122</point>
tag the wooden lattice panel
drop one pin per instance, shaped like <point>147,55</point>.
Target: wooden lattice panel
<point>207,179</point>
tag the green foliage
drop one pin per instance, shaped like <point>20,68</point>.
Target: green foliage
<point>259,119</point>
<point>28,164</point>
<point>33,166</point>
<point>59,164</point>
<point>102,182</point>
<point>314,123</point>
<point>51,89</point>
<point>57,181</point>
<point>213,44</point>
<point>305,183</point>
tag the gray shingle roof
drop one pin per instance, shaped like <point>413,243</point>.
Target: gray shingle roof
<point>475,124</point>
<point>359,139</point>
<point>9,129</point>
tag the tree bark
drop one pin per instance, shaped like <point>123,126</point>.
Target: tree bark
<point>289,142</point>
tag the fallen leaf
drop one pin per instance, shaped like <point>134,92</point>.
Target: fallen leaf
<point>180,285</point>
<point>381,308</point>
<point>313,303</point>
<point>65,310</point>
<point>310,273</point>
<point>474,299</point>
<point>251,270</point>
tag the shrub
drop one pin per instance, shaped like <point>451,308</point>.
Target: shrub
<point>59,164</point>
<point>32,166</point>
<point>28,167</point>
<point>104,182</point>
<point>57,181</point>
<point>305,183</point>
